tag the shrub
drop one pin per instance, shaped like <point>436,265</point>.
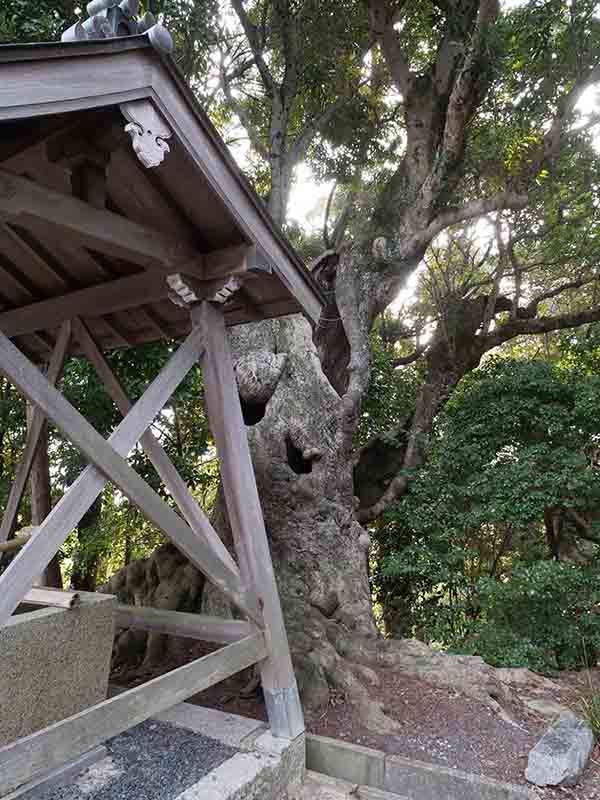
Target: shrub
<point>543,617</point>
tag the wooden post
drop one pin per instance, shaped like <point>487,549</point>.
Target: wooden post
<point>245,515</point>
<point>41,505</point>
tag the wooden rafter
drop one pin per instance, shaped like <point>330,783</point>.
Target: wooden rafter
<point>106,298</point>
<point>23,200</point>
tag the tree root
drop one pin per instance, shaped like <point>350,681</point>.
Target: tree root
<point>341,675</point>
<point>497,689</point>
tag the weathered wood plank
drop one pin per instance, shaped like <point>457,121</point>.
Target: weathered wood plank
<point>65,740</point>
<point>54,598</point>
<point>38,424</point>
<point>106,298</point>
<point>180,623</point>
<point>245,516</point>
<point>109,464</point>
<point>165,468</point>
<point>64,774</point>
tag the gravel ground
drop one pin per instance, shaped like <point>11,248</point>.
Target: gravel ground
<point>153,761</point>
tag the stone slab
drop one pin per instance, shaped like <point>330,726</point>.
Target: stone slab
<point>67,656</point>
<point>561,755</point>
<point>350,762</point>
<point>418,779</point>
<point>274,770</point>
<point>152,761</point>
<point>230,729</point>
<point>366,767</point>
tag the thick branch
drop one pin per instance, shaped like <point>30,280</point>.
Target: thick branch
<point>470,210</point>
<point>381,15</point>
<point>257,51</point>
<point>519,327</point>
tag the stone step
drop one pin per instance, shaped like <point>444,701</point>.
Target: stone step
<point>323,787</point>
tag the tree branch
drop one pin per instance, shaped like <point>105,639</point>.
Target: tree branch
<point>252,35</point>
<point>403,361</point>
<point>243,115</point>
<point>471,210</point>
<point>518,327</point>
<point>381,16</point>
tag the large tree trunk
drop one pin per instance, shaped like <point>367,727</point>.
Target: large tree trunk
<point>306,489</point>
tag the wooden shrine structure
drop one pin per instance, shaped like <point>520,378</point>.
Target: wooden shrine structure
<point>124,219</point>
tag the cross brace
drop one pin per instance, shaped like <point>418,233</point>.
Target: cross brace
<point>38,424</point>
<point>107,463</point>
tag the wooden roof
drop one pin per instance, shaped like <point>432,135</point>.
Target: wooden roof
<point>86,229</point>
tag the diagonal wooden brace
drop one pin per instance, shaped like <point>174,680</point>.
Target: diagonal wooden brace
<point>165,468</point>
<point>109,463</point>
<point>38,424</point>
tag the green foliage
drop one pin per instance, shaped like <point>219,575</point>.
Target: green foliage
<point>391,395</point>
<point>544,616</point>
<point>35,21</point>
<point>513,449</point>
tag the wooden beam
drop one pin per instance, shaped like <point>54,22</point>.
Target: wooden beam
<point>96,301</point>
<point>59,777</point>
<point>106,298</point>
<point>51,598</point>
<point>109,464</point>
<point>165,468</point>
<point>65,740</point>
<point>38,424</point>
<point>246,519</point>
<point>46,540</point>
<point>179,623</point>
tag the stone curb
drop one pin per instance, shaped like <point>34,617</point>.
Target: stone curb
<point>403,776</point>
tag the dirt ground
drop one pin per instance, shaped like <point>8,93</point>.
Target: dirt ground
<point>437,725</point>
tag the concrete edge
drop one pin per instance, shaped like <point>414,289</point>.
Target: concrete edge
<point>266,768</point>
<point>229,729</point>
<point>365,766</point>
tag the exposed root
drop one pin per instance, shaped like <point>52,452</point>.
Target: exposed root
<point>343,678</point>
<point>469,675</point>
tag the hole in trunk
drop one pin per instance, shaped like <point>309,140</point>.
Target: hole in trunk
<point>296,460</point>
<point>252,412</point>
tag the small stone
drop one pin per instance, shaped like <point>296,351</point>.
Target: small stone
<point>561,755</point>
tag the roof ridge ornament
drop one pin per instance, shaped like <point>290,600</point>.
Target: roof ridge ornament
<point>109,19</point>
